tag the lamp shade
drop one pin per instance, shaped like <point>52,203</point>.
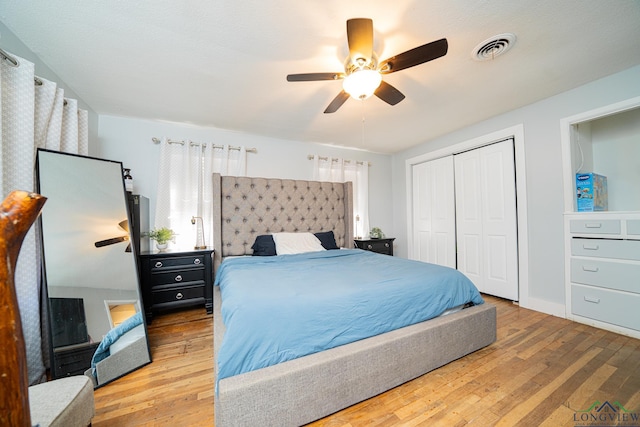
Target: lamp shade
<point>361,84</point>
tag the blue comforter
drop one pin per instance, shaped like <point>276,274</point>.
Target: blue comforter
<point>283,307</point>
<point>102,352</point>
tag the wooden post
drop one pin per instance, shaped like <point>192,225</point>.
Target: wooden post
<point>17,213</point>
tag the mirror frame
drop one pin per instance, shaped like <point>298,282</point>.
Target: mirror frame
<point>134,253</point>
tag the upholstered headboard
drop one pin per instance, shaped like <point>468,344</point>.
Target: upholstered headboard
<point>246,207</point>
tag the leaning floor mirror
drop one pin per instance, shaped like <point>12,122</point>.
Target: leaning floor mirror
<point>97,326</point>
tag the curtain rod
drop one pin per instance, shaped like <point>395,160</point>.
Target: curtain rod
<point>311,156</point>
<point>204,144</point>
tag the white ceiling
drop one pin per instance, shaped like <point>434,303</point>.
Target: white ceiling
<point>224,63</point>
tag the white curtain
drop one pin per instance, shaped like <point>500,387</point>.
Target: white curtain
<point>34,115</point>
<point>339,170</point>
<point>184,186</point>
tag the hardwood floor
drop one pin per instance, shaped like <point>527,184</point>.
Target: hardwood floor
<point>539,372</point>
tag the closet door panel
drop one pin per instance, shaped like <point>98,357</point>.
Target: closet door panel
<point>470,259</point>
<point>469,216</point>
<point>421,212</point>
<point>499,219</point>
<point>433,212</point>
<point>486,218</point>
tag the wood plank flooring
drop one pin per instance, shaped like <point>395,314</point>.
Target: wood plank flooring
<point>540,371</point>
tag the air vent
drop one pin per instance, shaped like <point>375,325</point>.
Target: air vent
<point>493,47</point>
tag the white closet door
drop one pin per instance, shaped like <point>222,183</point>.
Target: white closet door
<point>486,220</point>
<point>434,212</point>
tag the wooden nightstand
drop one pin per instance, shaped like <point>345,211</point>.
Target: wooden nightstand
<point>381,246</point>
<point>173,279</point>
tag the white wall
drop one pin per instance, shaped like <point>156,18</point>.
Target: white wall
<point>129,140</point>
<point>541,122</point>
<point>616,154</point>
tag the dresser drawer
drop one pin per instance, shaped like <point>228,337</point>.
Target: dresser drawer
<point>603,226</point>
<point>606,248</point>
<point>164,295</point>
<point>618,308</point>
<point>176,262</point>
<point>612,275</point>
<point>177,276</point>
<point>633,227</point>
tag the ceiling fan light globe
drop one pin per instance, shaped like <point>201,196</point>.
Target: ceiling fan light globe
<point>361,84</point>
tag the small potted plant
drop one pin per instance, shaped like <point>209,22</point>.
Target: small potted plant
<point>376,233</point>
<point>161,236</point>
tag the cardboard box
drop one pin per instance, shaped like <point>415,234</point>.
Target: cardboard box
<point>591,192</point>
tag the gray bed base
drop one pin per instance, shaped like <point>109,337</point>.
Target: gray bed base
<point>299,391</point>
<point>311,387</point>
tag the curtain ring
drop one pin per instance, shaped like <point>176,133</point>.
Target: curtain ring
<point>10,59</point>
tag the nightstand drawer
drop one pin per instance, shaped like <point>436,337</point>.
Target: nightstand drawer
<point>176,262</point>
<point>602,226</point>
<point>73,360</point>
<point>605,248</point>
<point>382,246</point>
<point>183,293</point>
<point>177,276</point>
<point>618,308</point>
<point>606,274</point>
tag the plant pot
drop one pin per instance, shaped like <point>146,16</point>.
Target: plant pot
<point>162,246</point>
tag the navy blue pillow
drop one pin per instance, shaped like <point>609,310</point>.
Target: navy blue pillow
<point>264,246</point>
<point>327,239</point>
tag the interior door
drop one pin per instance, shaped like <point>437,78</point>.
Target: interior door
<point>434,212</point>
<point>486,218</point>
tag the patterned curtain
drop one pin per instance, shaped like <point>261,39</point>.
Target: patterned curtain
<point>34,114</point>
<point>185,185</point>
<point>340,170</point>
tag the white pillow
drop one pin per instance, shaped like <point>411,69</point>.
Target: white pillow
<point>296,243</point>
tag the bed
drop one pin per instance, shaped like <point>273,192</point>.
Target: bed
<point>306,388</point>
<point>122,349</point>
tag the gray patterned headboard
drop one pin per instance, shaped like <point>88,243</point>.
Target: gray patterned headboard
<point>245,207</point>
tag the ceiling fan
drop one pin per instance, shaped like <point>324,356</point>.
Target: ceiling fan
<point>123,225</point>
<point>363,74</point>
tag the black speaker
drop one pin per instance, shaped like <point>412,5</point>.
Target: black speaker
<point>139,211</point>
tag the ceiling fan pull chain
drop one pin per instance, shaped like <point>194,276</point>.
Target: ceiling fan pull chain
<point>362,108</point>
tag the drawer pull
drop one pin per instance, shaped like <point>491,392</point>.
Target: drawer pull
<point>179,295</point>
<point>158,264</point>
<point>196,261</point>
<point>593,225</point>
<point>369,247</point>
<point>592,299</point>
<point>590,248</point>
<point>591,269</point>
<point>178,278</point>
<point>386,245</point>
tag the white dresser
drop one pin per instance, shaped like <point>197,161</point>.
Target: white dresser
<point>602,270</point>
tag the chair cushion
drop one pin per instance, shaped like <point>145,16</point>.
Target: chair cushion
<point>63,402</point>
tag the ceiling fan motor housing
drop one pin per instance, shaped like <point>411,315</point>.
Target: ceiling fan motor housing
<point>362,77</point>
